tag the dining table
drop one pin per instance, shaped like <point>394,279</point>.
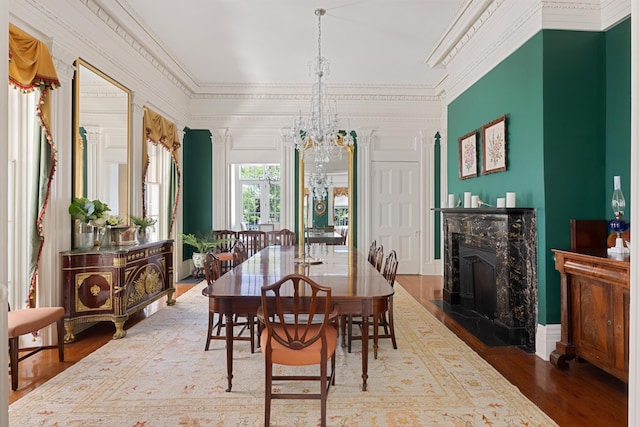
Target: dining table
<point>357,288</point>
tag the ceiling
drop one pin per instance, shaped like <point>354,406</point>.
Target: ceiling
<point>368,42</point>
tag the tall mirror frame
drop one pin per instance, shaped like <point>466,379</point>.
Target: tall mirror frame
<point>300,184</point>
<point>102,138</point>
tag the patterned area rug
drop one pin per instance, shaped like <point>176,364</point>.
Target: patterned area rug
<point>160,375</point>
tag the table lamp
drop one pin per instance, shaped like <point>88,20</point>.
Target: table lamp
<point>618,225</point>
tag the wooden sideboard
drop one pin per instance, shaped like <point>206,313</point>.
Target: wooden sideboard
<point>595,310</point>
<point>112,283</point>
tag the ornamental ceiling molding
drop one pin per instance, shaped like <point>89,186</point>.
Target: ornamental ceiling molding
<point>102,14</point>
<point>306,97</point>
<point>275,122</point>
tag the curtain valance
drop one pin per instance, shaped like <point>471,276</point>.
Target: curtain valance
<point>340,191</point>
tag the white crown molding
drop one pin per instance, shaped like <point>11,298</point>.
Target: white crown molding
<point>487,31</point>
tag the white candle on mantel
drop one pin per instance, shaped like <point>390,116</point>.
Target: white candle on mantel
<point>467,199</point>
<point>474,201</point>
<point>452,201</point>
<point>501,203</point>
<point>511,199</point>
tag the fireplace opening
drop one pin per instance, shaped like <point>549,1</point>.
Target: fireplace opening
<point>478,280</point>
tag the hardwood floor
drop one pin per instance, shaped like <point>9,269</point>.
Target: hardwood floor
<point>581,396</point>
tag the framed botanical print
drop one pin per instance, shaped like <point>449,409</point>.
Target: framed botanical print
<point>467,155</point>
<point>494,146</point>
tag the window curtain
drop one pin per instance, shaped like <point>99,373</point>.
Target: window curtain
<point>31,68</point>
<point>161,131</point>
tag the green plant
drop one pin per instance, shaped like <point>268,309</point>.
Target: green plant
<point>85,210</point>
<point>143,222</point>
<point>202,242</point>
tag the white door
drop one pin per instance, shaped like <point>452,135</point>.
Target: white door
<point>395,216</point>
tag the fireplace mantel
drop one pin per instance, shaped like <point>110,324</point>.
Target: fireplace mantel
<point>511,234</point>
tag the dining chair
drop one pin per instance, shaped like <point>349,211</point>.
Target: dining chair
<point>385,320</point>
<point>299,329</point>
<point>229,237</point>
<point>239,252</point>
<point>254,240</point>
<point>212,272</point>
<point>372,252</point>
<point>378,258</point>
<point>27,321</point>
<point>286,237</point>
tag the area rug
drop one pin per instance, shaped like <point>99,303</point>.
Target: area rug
<point>160,375</point>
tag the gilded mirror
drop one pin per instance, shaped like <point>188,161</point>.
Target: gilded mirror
<point>101,149</point>
<point>334,211</point>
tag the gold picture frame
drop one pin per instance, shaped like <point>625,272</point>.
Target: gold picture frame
<point>468,155</point>
<point>494,146</point>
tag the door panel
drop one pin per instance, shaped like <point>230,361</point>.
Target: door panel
<point>395,211</point>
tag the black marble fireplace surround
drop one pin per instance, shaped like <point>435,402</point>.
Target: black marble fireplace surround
<point>495,249</point>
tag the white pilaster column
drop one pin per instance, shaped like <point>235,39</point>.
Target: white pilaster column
<point>363,172</point>
<point>4,158</point>
<point>287,181</point>
<point>221,180</point>
<point>56,221</point>
<point>136,161</point>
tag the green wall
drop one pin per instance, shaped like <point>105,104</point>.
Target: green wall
<point>197,184</point>
<point>618,114</point>
<point>555,96</point>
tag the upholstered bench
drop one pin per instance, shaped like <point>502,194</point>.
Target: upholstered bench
<point>22,322</point>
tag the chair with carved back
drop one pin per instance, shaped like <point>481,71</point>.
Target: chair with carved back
<point>299,329</point>
<point>212,272</point>
<point>254,241</point>
<point>229,237</point>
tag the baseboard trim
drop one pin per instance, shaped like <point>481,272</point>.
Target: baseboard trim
<point>546,338</point>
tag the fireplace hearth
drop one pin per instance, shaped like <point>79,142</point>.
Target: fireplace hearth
<point>490,262</point>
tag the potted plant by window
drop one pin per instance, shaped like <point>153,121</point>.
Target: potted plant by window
<point>144,227</point>
<point>85,212</point>
<point>203,243</point>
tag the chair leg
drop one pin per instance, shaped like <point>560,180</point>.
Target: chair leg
<point>60,331</point>
<point>251,320</point>
<point>391,328</point>
<point>349,322</point>
<point>13,358</point>
<point>209,330</point>
<point>267,393</point>
<point>323,393</point>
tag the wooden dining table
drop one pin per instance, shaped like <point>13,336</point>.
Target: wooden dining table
<point>357,288</point>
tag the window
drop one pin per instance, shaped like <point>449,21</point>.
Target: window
<point>257,194</point>
<point>157,189</point>
<point>341,210</point>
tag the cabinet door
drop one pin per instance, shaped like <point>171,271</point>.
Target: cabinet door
<point>592,321</point>
<point>621,328</point>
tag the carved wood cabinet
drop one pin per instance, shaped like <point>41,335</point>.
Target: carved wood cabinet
<point>113,283</point>
<point>594,311</point>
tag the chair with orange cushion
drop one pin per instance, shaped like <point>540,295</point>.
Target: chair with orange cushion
<point>300,329</point>
<point>212,272</point>
<point>26,321</point>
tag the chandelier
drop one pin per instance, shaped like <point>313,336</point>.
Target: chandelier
<point>319,183</point>
<point>319,132</point>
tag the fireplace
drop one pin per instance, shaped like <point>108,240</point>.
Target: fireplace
<point>478,280</point>
<point>490,267</point>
